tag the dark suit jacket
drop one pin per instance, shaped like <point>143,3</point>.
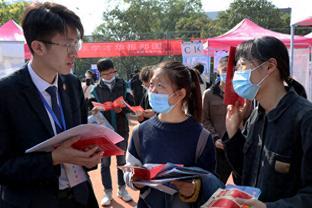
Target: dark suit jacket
<point>31,180</point>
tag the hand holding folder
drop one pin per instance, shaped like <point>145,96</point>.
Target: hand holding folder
<point>118,103</point>
<point>159,176</point>
<point>110,105</point>
<point>90,135</point>
<point>143,173</point>
<point>227,197</point>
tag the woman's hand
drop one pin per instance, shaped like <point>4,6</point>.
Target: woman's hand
<point>186,188</point>
<point>254,203</point>
<point>234,117</point>
<point>148,113</point>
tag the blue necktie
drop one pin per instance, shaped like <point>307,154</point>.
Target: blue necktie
<point>80,191</point>
<point>52,90</point>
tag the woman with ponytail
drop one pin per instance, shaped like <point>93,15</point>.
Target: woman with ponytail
<point>172,135</point>
<point>274,150</point>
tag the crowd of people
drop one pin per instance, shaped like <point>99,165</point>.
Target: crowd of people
<point>263,143</point>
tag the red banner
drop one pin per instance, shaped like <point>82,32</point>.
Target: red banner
<point>131,48</point>
<point>127,48</point>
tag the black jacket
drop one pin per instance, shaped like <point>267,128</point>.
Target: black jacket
<point>102,94</point>
<point>31,180</point>
<point>274,153</point>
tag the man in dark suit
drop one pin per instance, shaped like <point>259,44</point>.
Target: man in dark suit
<point>39,101</point>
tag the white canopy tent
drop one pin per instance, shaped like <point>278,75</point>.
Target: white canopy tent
<point>11,47</point>
<point>308,35</point>
<point>301,15</point>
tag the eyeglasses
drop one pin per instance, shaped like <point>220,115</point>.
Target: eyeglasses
<point>110,73</point>
<point>71,47</point>
<point>241,67</point>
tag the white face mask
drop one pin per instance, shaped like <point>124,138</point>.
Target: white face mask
<point>109,81</point>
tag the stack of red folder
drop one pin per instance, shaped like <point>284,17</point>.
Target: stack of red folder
<point>223,198</point>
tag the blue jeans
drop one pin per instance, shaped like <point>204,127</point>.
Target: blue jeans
<point>121,160</point>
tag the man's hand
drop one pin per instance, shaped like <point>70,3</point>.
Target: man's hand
<point>118,109</point>
<point>254,203</point>
<point>219,144</point>
<point>65,153</point>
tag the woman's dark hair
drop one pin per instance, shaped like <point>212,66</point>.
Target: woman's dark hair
<point>41,21</point>
<point>93,76</point>
<point>105,64</point>
<point>223,60</point>
<point>264,48</point>
<point>183,77</point>
<point>199,67</point>
<point>146,73</point>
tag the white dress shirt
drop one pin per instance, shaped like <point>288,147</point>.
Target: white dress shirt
<point>71,175</point>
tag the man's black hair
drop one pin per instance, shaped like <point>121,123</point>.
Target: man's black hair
<point>41,21</point>
<point>105,64</point>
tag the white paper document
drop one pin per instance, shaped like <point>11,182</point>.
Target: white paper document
<point>84,131</point>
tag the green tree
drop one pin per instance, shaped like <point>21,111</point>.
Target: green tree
<point>262,12</point>
<point>11,11</point>
<point>147,19</point>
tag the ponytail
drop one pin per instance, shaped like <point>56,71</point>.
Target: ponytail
<point>297,87</point>
<point>194,99</point>
<point>183,77</point>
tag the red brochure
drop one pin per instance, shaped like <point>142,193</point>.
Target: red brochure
<point>226,199</point>
<point>118,103</point>
<point>230,96</point>
<point>108,147</point>
<point>109,105</point>
<point>89,134</point>
<point>134,109</point>
<point>143,173</point>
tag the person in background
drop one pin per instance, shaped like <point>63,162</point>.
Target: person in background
<point>172,135</point>
<point>110,88</point>
<point>146,74</point>
<point>136,88</point>
<point>87,87</point>
<point>200,68</point>
<point>214,112</point>
<point>41,100</point>
<point>274,150</point>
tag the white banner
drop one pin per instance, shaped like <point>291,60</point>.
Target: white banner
<point>192,54</point>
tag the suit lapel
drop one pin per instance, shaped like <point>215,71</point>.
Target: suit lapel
<point>65,100</point>
<point>31,94</point>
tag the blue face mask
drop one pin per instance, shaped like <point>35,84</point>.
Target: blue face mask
<point>159,102</point>
<point>223,77</point>
<point>243,86</point>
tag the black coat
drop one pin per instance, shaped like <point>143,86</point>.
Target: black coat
<point>102,94</point>
<point>31,180</point>
<point>274,153</point>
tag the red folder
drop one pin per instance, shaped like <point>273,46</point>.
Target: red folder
<point>109,105</point>
<point>230,96</point>
<point>134,109</point>
<point>118,103</point>
<point>142,173</point>
<point>226,199</point>
<point>108,147</point>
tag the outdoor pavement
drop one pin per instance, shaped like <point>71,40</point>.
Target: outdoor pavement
<point>98,187</point>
